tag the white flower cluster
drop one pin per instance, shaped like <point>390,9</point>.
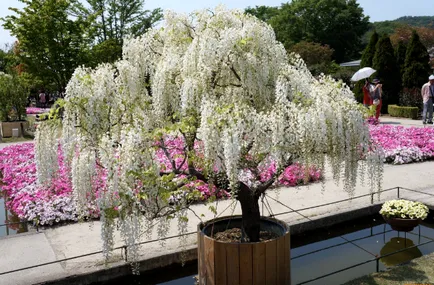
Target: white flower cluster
<point>404,209</point>
<point>403,155</point>
<point>46,150</point>
<point>227,70</point>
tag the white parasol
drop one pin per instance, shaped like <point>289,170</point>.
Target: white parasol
<point>363,73</point>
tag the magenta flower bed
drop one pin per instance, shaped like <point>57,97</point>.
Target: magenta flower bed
<point>35,110</point>
<point>27,200</point>
<point>47,205</point>
<point>404,145</point>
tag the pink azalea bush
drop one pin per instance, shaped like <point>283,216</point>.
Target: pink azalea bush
<point>43,205</point>
<point>55,203</point>
<point>404,145</point>
<point>46,205</point>
<point>372,121</point>
<point>293,175</point>
<point>35,110</point>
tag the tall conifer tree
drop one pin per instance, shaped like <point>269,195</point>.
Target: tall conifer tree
<point>417,66</point>
<point>385,63</point>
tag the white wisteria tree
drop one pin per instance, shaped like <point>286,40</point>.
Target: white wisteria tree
<point>221,83</point>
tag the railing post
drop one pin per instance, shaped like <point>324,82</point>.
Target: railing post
<point>372,198</point>
<point>378,264</point>
<point>126,253</point>
<point>398,192</point>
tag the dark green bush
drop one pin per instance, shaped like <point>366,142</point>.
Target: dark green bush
<point>410,97</point>
<point>403,112</point>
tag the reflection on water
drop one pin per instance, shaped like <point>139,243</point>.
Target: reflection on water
<point>7,217</point>
<point>395,244</point>
<point>320,252</point>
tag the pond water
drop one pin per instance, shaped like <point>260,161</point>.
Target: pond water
<point>7,217</point>
<point>321,252</point>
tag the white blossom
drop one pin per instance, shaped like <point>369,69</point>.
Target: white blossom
<point>227,71</point>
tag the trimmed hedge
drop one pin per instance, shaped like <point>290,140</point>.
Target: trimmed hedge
<point>403,112</point>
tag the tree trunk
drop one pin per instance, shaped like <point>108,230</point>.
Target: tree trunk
<point>250,212</point>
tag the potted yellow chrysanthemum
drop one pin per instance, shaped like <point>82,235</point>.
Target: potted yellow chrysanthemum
<point>403,215</point>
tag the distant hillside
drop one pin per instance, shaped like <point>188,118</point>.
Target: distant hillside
<point>388,27</point>
<point>422,21</point>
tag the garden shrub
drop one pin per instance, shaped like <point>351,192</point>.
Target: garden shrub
<point>403,111</point>
<point>410,97</point>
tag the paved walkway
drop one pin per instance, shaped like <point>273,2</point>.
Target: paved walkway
<point>82,238</point>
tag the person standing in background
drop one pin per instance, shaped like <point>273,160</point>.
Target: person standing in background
<point>367,101</point>
<point>376,96</point>
<point>427,96</point>
<point>42,99</point>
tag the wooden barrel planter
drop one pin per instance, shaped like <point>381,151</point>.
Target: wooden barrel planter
<point>262,263</point>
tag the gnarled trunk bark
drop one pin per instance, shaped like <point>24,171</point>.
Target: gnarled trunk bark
<point>250,212</point>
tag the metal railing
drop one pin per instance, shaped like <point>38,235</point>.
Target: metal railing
<point>377,258</point>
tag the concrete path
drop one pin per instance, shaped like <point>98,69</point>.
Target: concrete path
<point>77,239</point>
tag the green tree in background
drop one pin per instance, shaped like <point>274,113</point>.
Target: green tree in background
<point>369,52</point>
<point>339,24</point>
<point>400,52</point>
<point>264,13</point>
<point>417,66</point>
<point>8,60</point>
<point>112,21</point>
<point>366,61</point>
<point>385,63</point>
<point>52,43</point>
<point>14,91</point>
<point>317,57</point>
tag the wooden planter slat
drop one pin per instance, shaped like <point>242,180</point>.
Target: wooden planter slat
<point>271,262</point>
<point>208,245</point>
<point>262,263</point>
<point>259,264</point>
<point>220,258</point>
<point>201,258</point>
<point>287,252</point>
<point>281,261</point>
<point>232,263</point>
<point>246,264</point>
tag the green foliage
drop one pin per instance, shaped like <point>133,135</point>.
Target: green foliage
<point>51,42</point>
<point>403,112</point>
<point>107,51</point>
<point>386,27</point>
<point>337,23</point>
<point>112,21</point>
<point>417,68</point>
<point>418,21</point>
<point>391,27</point>
<point>313,53</point>
<point>344,74</point>
<point>8,60</point>
<point>264,13</point>
<point>400,53</point>
<point>381,28</point>
<point>369,52</point>
<point>13,97</point>
<point>384,62</point>
<point>411,97</point>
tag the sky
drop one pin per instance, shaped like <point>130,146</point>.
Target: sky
<point>377,10</point>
